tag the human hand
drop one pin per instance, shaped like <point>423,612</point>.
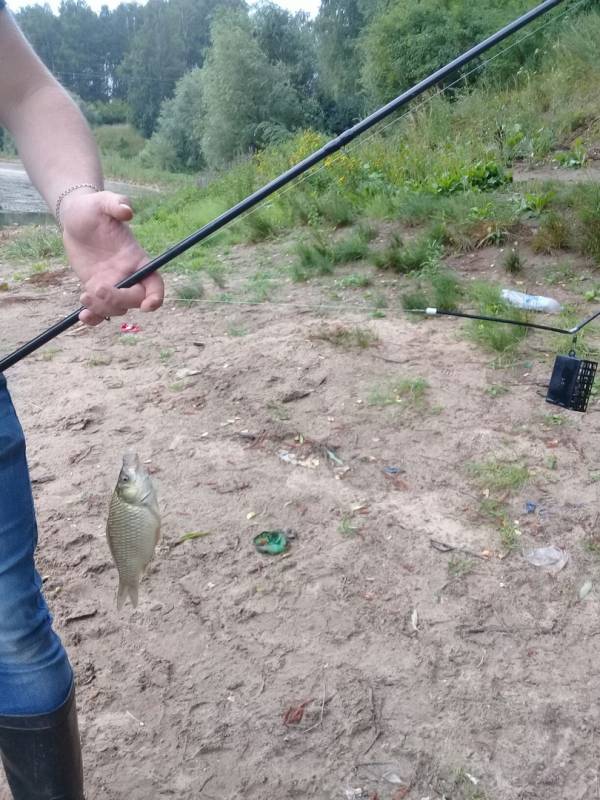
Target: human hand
<point>102,250</point>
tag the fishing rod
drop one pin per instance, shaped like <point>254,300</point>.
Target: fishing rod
<point>572,378</point>
<point>289,175</point>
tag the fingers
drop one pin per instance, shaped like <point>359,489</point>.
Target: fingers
<point>90,319</point>
<point>155,292</point>
<point>117,206</point>
<point>106,301</point>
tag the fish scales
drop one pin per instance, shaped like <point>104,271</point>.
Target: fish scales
<point>133,527</point>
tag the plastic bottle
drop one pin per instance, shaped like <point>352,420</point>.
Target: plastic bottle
<point>531,302</point>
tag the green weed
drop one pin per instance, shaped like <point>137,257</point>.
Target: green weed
<point>495,390</point>
<point>554,234</point>
<point>459,567</point>
<point>355,281</point>
<point>347,526</point>
<point>259,226</point>
<point>217,273</point>
<point>237,330</point>
<point>337,209</point>
<point>188,293</point>
<point>409,392</point>
<point>260,286</point>
<point>573,158</point>
<point>99,360</point>
<point>513,262</point>
<point>499,477</point>
<point>348,338</point>
<point>411,257</point>
<point>34,244</point>
<point>499,337</point>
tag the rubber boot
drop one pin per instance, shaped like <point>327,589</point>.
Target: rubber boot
<point>41,754</point>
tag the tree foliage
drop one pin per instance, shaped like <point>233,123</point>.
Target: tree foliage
<point>176,144</point>
<point>215,78</point>
<point>248,100</point>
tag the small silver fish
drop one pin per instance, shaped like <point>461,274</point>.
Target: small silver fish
<point>133,527</point>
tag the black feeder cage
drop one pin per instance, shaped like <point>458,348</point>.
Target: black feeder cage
<point>571,382</point>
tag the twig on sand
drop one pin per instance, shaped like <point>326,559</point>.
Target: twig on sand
<point>375,715</point>
<point>210,777</point>
<point>320,720</point>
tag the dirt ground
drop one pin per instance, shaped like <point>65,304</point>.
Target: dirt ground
<point>365,662</point>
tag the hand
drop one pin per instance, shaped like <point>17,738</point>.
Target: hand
<point>102,251</point>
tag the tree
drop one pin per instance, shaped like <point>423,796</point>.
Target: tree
<point>176,144</point>
<point>247,99</point>
<point>408,40</point>
<point>42,29</point>
<point>289,39</point>
<point>170,41</point>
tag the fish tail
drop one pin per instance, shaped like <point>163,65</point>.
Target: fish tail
<point>127,590</point>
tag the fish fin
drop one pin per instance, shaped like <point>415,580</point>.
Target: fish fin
<point>127,590</point>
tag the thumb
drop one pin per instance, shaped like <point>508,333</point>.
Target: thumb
<point>117,206</point>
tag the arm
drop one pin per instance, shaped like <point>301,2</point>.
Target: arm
<point>59,151</point>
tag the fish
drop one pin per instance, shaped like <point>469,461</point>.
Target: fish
<point>133,527</point>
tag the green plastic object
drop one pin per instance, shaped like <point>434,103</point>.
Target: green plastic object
<point>271,542</point>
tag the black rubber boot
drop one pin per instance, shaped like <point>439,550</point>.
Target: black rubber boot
<point>41,754</point>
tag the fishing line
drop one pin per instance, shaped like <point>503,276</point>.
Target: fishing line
<point>327,150</point>
<point>381,127</point>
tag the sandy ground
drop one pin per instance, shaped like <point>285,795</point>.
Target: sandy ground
<point>365,662</point>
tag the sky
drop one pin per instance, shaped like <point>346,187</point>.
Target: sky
<point>311,6</point>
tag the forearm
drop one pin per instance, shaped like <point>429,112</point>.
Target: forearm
<point>52,136</point>
<point>54,142</point>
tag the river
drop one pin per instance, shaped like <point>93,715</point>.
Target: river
<point>21,203</point>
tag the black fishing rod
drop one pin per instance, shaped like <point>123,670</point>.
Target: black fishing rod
<point>256,197</point>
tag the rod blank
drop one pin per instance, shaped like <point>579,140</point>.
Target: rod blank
<point>286,177</point>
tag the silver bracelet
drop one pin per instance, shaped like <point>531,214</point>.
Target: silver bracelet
<point>68,191</point>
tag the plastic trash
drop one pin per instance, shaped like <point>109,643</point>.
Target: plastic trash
<point>129,327</point>
<point>531,302</point>
<point>271,542</point>
<point>530,507</point>
<point>585,590</point>
<point>552,558</point>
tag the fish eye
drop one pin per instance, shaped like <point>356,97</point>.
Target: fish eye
<point>125,478</point>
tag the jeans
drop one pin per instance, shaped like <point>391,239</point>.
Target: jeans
<point>35,674</point>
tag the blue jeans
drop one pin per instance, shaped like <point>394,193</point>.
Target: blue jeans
<point>35,674</point>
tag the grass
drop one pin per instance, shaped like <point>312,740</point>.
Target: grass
<point>513,262</point>
<point>497,390</point>
<point>495,336</point>
<point>445,163</point>
<point>259,226</point>
<point>237,330</point>
<point>408,392</point>
<point>591,544</point>
<point>260,286</point>
<point>49,353</point>
<point>553,235</point>
<point>499,477</point>
<point>406,258</point>
<point>99,360</point>
<point>355,281</point>
<point>319,255</point>
<point>188,293</point>
<point>347,338</point>
<point>337,209</point>
<point>35,244</point>
<point>216,272</point>
<point>347,526</point>
<point>459,567</point>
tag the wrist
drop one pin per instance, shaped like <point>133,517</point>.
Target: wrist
<point>68,198</point>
